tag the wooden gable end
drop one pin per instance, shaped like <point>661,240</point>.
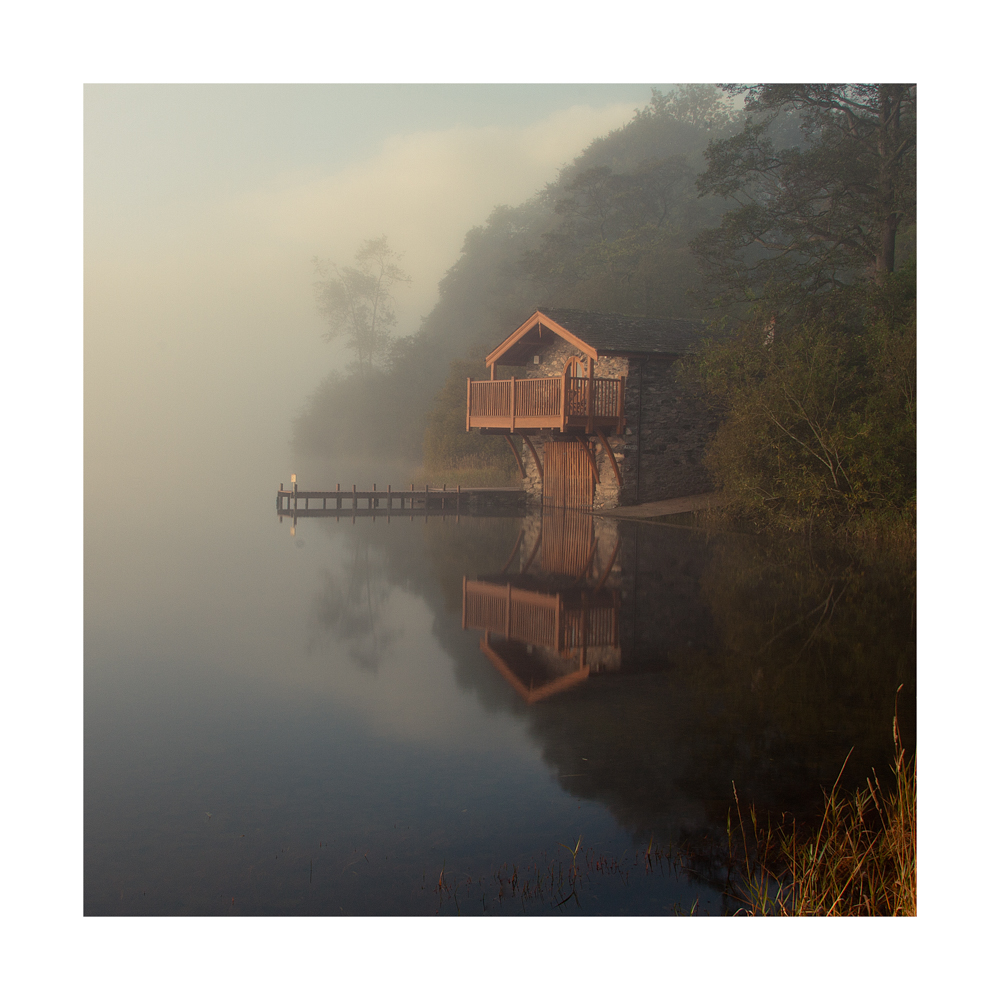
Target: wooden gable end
<point>533,335</point>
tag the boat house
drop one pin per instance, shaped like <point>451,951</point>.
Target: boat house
<point>601,418</point>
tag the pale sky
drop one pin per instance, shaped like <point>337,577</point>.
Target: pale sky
<point>183,183</point>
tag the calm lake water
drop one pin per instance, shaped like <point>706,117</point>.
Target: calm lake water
<point>430,715</point>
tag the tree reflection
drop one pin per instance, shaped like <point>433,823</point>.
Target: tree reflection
<point>796,662</point>
<point>351,605</point>
<point>429,559</point>
<point>736,659</point>
<point>755,661</point>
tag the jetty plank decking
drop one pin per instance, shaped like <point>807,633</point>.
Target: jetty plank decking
<point>295,502</point>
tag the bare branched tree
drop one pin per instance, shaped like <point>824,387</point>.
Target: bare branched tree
<point>822,179</point>
<point>358,301</point>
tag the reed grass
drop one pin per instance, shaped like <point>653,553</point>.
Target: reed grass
<point>861,860</point>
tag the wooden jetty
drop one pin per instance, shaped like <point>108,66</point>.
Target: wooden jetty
<point>295,502</point>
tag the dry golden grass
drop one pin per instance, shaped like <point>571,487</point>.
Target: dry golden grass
<point>860,861</point>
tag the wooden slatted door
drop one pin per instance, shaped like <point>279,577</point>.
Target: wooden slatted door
<point>569,477</point>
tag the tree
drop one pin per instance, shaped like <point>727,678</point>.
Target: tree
<point>449,448</point>
<point>821,213</point>
<point>625,212</point>
<point>819,419</point>
<point>358,301</point>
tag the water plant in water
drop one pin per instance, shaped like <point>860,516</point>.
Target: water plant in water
<point>549,884</point>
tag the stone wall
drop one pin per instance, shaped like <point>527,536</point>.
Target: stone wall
<point>660,455</point>
<point>533,482</point>
<point>667,430</point>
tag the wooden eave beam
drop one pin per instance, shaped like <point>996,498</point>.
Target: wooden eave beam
<point>539,318</point>
<point>513,552</point>
<point>593,464</point>
<point>530,695</point>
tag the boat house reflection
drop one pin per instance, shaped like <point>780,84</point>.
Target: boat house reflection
<point>550,618</point>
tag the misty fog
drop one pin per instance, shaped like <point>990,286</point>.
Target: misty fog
<point>204,210</point>
<point>204,207</point>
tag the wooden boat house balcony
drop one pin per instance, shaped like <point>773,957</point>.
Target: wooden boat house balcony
<point>518,623</point>
<point>563,622</point>
<point>562,403</point>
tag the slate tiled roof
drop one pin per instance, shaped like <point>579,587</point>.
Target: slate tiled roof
<point>630,334</point>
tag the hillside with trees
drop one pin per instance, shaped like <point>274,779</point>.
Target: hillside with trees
<point>785,216</point>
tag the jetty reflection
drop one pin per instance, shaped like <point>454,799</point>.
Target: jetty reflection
<point>550,618</point>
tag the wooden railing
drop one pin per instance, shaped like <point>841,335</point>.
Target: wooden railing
<point>511,612</point>
<point>605,400</point>
<point>537,619</point>
<point>490,399</point>
<point>590,627</point>
<point>546,403</point>
<point>537,397</point>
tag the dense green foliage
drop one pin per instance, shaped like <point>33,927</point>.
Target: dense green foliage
<point>819,413</point>
<point>448,447</point>
<point>627,210</point>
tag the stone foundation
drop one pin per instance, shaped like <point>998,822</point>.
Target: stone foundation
<point>661,453</point>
